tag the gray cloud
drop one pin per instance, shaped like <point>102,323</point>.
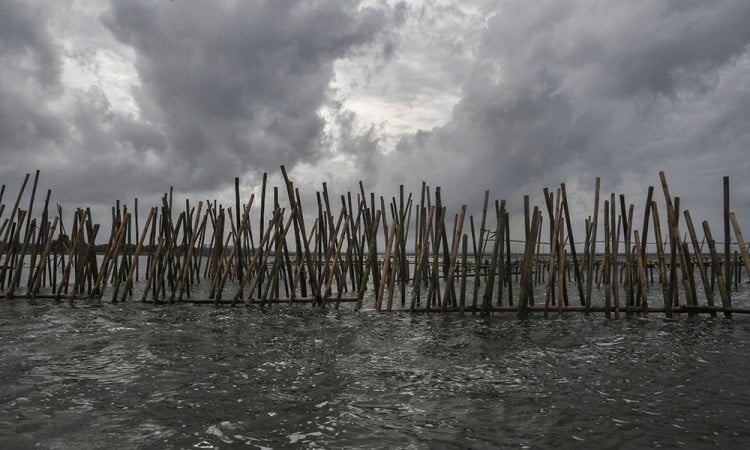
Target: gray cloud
<point>238,84</point>
<point>565,92</point>
<point>30,74</point>
<point>545,92</point>
<point>223,89</point>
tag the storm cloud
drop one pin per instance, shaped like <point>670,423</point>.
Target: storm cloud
<point>567,91</point>
<point>123,99</point>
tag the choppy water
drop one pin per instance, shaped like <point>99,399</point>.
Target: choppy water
<point>181,376</point>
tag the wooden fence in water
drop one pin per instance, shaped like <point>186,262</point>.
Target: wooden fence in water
<point>407,253</point>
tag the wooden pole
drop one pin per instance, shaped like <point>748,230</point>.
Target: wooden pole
<point>458,230</point>
<point>525,285</point>
<point>576,268</point>
<point>725,299</point>
<point>592,250</point>
<point>606,263</point>
<point>553,251</point>
<point>699,260</point>
<point>661,261</point>
<point>727,238</point>
<point>741,243</point>
<point>138,247</point>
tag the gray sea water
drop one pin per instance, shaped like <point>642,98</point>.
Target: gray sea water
<point>135,375</point>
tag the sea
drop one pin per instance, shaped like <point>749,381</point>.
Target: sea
<point>135,375</point>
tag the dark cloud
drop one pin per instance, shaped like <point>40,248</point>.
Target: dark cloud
<point>567,91</point>
<point>222,89</point>
<point>29,75</point>
<point>25,43</point>
<point>543,93</point>
<point>239,85</point>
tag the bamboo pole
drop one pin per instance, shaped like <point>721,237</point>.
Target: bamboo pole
<point>553,251</point>
<point>576,267</point>
<point>725,299</point>
<point>180,288</point>
<point>615,255</point>
<point>457,231</point>
<point>386,265</point>
<point>661,260</point>
<point>111,254</point>
<point>641,273</point>
<point>37,281</point>
<point>508,257</point>
<point>19,264</point>
<point>30,210</point>
<point>479,247</point>
<point>699,260</point>
<point>606,265</point>
<point>129,281</point>
<point>151,273</point>
<point>727,237</point>
<point>8,233</point>
<point>740,242</point>
<point>325,256</point>
<point>76,235</point>
<point>371,250</point>
<point>40,243</point>
<point>427,224</point>
<point>277,216</point>
<point>434,277</point>
<point>549,201</point>
<point>502,214</point>
<point>273,281</point>
<point>523,297</point>
<point>344,231</point>
<point>464,270</point>
<point>491,271</point>
<point>592,250</point>
<point>561,270</point>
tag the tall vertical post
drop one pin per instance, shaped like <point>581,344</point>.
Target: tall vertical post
<point>238,241</point>
<point>727,239</point>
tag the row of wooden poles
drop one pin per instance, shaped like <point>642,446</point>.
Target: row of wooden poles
<point>435,265</point>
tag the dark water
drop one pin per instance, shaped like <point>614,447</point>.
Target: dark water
<point>142,376</point>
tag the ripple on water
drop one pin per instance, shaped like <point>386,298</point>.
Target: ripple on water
<point>204,377</point>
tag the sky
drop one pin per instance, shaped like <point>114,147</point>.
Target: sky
<point>123,99</point>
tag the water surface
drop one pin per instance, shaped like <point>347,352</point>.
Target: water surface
<point>135,375</point>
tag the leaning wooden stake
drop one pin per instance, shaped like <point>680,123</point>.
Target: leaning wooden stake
<point>366,274</point>
<point>181,281</point>
<point>660,261</point>
<point>277,216</point>
<point>552,253</point>
<point>576,268</point>
<point>479,247</point>
<point>487,299</point>
<point>129,281</point>
<point>422,259</point>
<point>725,300</point>
<point>19,264</point>
<point>741,243</point>
<point>386,266</point>
<point>454,255</point>
<point>699,260</point>
<point>526,273</point>
<point>37,281</point>
<point>641,273</point>
<point>592,250</point>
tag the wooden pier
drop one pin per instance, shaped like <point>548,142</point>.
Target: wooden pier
<point>404,254</point>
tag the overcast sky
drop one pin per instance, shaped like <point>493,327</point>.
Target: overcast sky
<point>122,99</point>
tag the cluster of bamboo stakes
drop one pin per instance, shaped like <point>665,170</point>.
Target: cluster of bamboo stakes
<point>427,267</point>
